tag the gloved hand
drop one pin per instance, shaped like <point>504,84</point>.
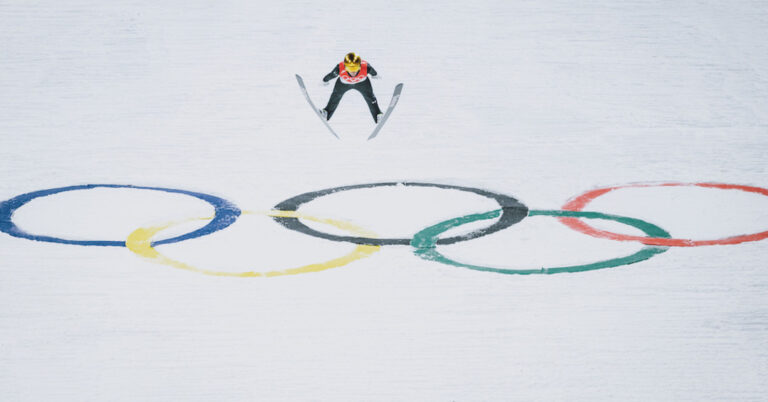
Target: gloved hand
<point>376,77</point>
<point>326,83</point>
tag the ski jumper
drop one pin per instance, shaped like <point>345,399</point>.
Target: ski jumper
<point>359,82</point>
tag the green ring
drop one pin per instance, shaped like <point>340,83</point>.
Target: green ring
<point>425,241</point>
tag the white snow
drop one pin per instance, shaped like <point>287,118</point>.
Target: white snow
<point>539,100</point>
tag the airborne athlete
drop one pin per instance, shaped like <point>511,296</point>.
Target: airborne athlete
<point>352,73</point>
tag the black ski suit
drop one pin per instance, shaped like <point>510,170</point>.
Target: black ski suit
<point>341,87</point>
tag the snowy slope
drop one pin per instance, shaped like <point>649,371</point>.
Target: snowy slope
<point>540,101</point>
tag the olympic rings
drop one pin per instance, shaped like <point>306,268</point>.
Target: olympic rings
<point>286,213</point>
<point>424,243</point>
<point>139,241</point>
<point>578,203</point>
<point>513,211</point>
<point>226,213</point>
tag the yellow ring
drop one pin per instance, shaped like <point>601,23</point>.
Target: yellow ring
<point>140,242</point>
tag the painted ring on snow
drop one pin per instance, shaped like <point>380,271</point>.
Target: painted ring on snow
<point>425,241</point>
<point>578,203</point>
<point>513,211</point>
<point>225,214</point>
<point>139,241</point>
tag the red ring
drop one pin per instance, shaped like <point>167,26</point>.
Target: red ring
<point>581,201</point>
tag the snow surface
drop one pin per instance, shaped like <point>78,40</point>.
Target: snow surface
<point>540,100</point>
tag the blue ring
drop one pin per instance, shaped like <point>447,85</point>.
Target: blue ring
<point>226,213</point>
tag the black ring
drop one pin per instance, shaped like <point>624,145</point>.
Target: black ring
<point>513,211</point>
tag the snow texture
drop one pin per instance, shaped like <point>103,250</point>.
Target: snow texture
<point>540,100</point>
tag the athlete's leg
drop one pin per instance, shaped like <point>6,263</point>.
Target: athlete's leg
<point>338,91</point>
<point>366,90</point>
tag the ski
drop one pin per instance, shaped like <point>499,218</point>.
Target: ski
<point>392,104</point>
<point>312,105</point>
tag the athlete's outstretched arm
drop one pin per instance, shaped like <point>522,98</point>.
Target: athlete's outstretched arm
<point>333,74</point>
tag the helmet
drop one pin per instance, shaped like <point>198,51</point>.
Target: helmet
<point>352,62</point>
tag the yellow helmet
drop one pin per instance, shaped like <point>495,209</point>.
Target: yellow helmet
<point>352,62</point>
